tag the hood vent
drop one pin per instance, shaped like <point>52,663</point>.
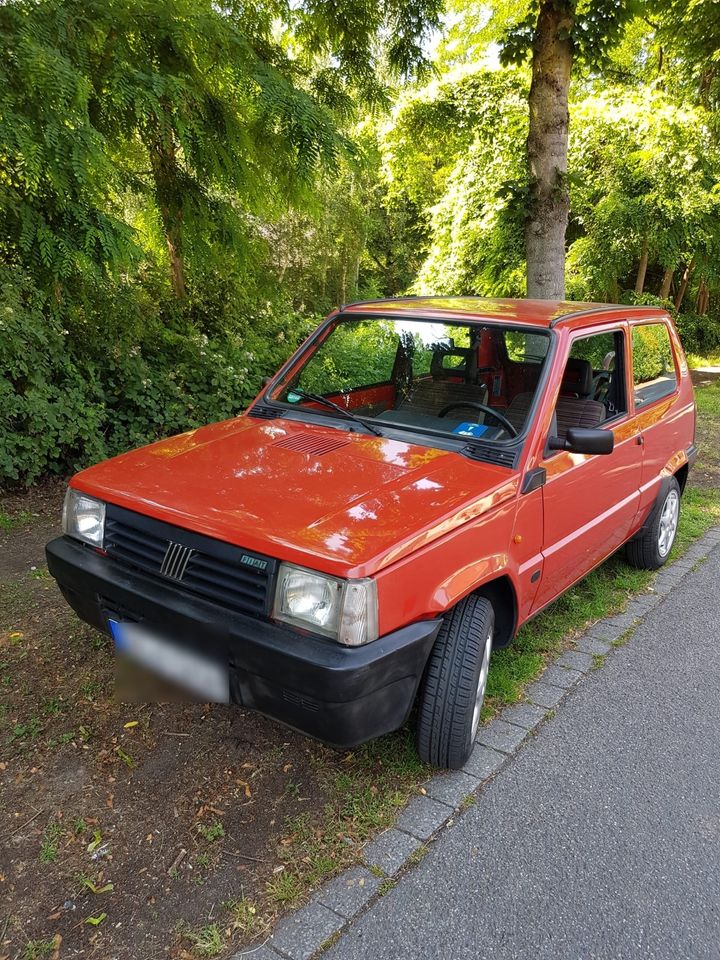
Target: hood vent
<point>260,412</point>
<point>489,454</point>
<point>311,444</point>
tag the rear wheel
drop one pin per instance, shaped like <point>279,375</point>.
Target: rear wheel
<point>453,687</point>
<point>651,548</point>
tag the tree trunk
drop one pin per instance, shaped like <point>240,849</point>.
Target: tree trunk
<point>547,149</point>
<point>684,284</point>
<point>703,298</point>
<point>666,283</point>
<point>642,268</point>
<point>163,161</point>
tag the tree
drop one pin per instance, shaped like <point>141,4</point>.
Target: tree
<point>209,112</point>
<point>557,33</point>
<point>644,171</point>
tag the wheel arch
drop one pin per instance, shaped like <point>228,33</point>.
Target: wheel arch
<point>681,476</point>
<point>501,593</point>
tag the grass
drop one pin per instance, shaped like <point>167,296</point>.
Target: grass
<point>696,360</point>
<point>417,856</point>
<point>50,842</point>
<point>206,941</point>
<point>708,400</point>
<point>211,831</point>
<point>287,887</point>
<point>10,522</point>
<point>386,886</point>
<point>708,434</point>
<point>35,949</point>
<point>244,917</point>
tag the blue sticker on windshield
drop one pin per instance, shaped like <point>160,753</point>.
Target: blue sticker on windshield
<point>470,429</point>
<point>293,397</point>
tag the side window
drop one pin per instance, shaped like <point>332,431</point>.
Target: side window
<point>592,391</point>
<point>654,374</point>
<point>595,373</point>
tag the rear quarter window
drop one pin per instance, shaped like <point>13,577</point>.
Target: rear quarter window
<point>654,374</point>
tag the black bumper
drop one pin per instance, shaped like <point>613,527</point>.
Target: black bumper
<point>343,696</point>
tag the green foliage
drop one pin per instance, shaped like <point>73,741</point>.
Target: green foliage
<point>469,177</point>
<point>597,26</point>
<point>642,172</point>
<point>62,408</point>
<point>147,154</point>
<point>699,333</point>
<point>186,187</point>
<point>354,354</point>
<point>652,354</point>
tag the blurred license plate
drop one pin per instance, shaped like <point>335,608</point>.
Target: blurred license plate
<point>202,676</point>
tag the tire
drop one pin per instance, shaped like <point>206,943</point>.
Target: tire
<point>651,547</point>
<point>453,686</point>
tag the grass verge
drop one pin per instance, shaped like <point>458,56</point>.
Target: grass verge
<point>698,361</point>
<point>604,592</point>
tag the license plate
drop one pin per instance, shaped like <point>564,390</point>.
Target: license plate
<point>203,677</point>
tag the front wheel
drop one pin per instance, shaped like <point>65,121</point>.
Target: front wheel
<point>651,548</point>
<point>453,687</point>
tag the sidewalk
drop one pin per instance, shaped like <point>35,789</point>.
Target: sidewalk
<point>601,839</point>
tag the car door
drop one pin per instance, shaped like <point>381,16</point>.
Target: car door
<point>590,501</point>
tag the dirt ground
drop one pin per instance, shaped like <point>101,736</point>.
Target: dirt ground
<point>155,830</point>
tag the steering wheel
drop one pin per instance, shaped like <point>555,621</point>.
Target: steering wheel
<point>502,420</point>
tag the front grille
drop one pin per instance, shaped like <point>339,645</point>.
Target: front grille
<point>220,572</point>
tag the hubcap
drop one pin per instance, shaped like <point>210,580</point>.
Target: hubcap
<point>482,682</point>
<point>668,523</point>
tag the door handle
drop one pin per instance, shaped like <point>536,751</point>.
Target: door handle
<point>640,440</point>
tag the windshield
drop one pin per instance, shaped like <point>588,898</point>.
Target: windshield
<point>462,380</point>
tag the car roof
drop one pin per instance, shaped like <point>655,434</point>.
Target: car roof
<point>537,313</point>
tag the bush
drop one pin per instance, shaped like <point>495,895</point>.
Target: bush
<point>699,333</point>
<point>78,387</point>
<point>652,355</point>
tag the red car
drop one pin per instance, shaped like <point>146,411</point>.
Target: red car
<point>418,480</point>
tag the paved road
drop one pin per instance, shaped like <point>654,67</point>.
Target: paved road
<point>601,839</point>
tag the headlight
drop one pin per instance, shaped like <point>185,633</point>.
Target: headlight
<point>345,610</point>
<point>83,517</point>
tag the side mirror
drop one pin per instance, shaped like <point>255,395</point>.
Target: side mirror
<point>266,381</point>
<point>583,440</point>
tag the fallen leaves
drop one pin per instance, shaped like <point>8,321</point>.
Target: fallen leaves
<point>246,787</point>
<point>96,921</point>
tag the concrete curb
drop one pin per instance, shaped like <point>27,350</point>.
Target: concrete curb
<point>307,931</point>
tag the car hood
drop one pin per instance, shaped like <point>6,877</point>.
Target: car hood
<point>342,502</point>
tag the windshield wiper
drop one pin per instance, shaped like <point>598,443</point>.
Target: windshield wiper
<point>318,398</point>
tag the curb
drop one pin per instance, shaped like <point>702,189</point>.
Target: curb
<point>304,933</point>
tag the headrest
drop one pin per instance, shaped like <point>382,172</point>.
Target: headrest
<point>467,370</point>
<point>578,377</point>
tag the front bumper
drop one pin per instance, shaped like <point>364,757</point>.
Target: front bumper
<point>341,695</point>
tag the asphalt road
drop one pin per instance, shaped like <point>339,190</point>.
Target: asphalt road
<point>601,839</point>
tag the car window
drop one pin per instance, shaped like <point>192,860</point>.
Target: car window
<point>604,353</point>
<point>654,373</point>
<point>592,390</point>
<point>522,346</point>
<point>467,380</point>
